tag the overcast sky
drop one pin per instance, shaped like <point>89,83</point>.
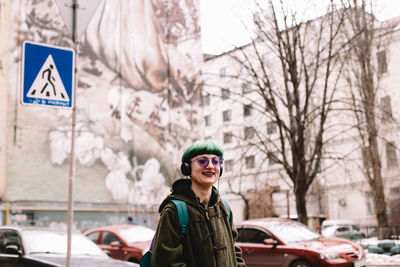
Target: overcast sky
<point>223,21</point>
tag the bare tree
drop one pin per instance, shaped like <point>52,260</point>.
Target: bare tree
<point>257,199</point>
<point>363,79</point>
<point>293,67</point>
<point>237,187</point>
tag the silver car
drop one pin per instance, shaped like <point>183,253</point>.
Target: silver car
<point>341,228</point>
<point>27,246</point>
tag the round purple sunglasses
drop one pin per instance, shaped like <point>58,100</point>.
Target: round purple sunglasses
<point>204,161</point>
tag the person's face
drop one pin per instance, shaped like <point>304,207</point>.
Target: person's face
<point>205,170</point>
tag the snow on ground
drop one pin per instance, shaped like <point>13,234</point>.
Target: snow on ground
<point>373,241</point>
<point>383,260</point>
<point>374,259</point>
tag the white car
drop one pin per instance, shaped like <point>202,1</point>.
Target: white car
<point>341,228</point>
<point>33,246</point>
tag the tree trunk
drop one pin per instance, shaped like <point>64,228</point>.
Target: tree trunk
<point>378,196</point>
<point>378,190</point>
<point>246,207</point>
<point>300,193</point>
<point>375,179</point>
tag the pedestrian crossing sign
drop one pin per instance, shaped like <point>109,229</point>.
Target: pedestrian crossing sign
<point>47,75</point>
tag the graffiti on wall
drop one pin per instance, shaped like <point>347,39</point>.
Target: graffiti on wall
<point>138,86</point>
<point>83,220</point>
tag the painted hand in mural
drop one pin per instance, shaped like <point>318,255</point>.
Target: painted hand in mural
<point>145,57</point>
<point>138,80</point>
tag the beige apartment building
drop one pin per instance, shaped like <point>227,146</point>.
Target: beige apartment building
<point>340,190</point>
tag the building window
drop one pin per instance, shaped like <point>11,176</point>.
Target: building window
<point>386,108</point>
<point>266,59</point>
<point>243,69</point>
<point>247,110</point>
<point>319,167</point>
<point>394,194</point>
<point>227,138</point>
<point>246,88</point>
<point>360,114</point>
<point>225,93</point>
<point>366,157</point>
<point>222,72</point>
<point>391,156</point>
<point>248,132</point>
<point>273,158</point>
<point>249,162</point>
<point>207,120</point>
<point>368,203</point>
<point>268,106</point>
<point>382,63</point>
<point>271,127</point>
<point>206,99</point>
<point>226,115</point>
<point>228,165</point>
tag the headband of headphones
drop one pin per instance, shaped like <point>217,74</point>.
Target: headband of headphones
<point>202,147</point>
<point>199,148</point>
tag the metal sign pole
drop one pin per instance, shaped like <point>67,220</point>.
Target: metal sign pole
<point>72,156</point>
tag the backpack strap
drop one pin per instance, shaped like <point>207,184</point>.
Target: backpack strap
<point>227,207</point>
<point>182,214</point>
<point>183,221</point>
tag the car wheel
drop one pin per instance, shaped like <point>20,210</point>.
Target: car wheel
<point>300,263</point>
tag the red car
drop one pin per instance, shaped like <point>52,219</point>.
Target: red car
<point>287,243</point>
<point>126,242</point>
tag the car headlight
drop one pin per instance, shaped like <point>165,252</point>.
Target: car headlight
<point>329,256</point>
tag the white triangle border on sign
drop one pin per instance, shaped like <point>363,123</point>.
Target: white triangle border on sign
<point>41,85</point>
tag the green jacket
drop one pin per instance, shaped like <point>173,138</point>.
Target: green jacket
<point>210,239</point>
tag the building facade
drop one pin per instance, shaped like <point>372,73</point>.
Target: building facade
<point>137,92</point>
<point>234,114</point>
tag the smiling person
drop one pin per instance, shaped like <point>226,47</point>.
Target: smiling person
<point>211,235</point>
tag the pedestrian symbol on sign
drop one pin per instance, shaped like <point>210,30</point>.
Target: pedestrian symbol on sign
<point>48,84</point>
<point>47,75</point>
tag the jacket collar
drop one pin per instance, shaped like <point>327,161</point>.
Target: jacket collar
<point>181,189</point>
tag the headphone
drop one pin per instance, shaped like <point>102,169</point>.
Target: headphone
<point>187,170</point>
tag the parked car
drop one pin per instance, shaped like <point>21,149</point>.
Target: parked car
<point>287,243</point>
<point>341,228</point>
<point>27,246</point>
<point>126,242</point>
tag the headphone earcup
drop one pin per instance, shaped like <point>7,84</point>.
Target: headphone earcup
<point>220,171</point>
<point>185,169</point>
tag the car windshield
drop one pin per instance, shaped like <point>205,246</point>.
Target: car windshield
<point>56,243</point>
<point>136,234</point>
<point>327,226</point>
<point>292,232</point>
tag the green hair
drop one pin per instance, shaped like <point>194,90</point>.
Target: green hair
<point>202,147</point>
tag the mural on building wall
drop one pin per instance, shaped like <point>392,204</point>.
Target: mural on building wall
<point>138,88</point>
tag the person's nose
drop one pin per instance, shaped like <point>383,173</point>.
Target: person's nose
<point>210,164</point>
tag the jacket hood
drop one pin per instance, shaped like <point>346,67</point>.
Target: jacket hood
<point>181,189</point>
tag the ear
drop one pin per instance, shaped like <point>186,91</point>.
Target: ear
<point>220,171</point>
<point>185,169</point>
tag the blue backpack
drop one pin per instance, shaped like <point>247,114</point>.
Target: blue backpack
<point>183,221</point>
